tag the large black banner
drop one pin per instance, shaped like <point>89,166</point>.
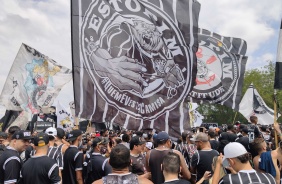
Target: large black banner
<point>278,66</point>
<point>221,68</point>
<point>134,61</point>
<point>9,117</point>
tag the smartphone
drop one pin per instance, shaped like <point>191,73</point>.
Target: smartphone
<point>201,130</point>
<point>225,163</point>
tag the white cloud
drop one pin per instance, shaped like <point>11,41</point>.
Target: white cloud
<point>259,61</point>
<point>250,20</point>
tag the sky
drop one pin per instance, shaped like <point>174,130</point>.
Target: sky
<point>45,26</point>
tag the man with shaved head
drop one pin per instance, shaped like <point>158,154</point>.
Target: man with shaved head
<point>202,160</point>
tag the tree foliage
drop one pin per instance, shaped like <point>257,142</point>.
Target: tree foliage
<point>263,81</point>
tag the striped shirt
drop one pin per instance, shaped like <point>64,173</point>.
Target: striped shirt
<point>247,176</point>
<point>54,153</point>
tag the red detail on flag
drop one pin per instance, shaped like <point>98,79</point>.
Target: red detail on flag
<point>40,81</point>
<point>211,59</point>
<point>211,78</point>
<point>199,53</point>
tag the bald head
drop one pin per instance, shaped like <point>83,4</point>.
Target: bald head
<point>201,137</point>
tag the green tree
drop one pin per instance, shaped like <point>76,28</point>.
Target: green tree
<point>263,81</point>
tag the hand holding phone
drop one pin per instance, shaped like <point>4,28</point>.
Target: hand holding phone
<point>225,163</point>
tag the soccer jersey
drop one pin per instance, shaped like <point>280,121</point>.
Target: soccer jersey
<point>40,169</point>
<point>54,153</point>
<point>202,161</point>
<point>247,176</point>
<point>97,167</point>
<point>73,161</point>
<point>10,166</point>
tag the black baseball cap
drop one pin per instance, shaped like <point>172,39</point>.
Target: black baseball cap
<point>60,133</point>
<point>74,134</point>
<point>245,130</point>
<point>3,135</point>
<point>22,134</point>
<point>99,140</point>
<point>136,140</point>
<point>41,139</point>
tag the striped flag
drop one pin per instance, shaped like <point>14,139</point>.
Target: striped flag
<point>278,67</point>
<point>134,61</point>
<point>221,63</point>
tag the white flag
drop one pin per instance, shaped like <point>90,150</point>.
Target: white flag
<point>252,104</point>
<point>64,118</point>
<point>72,109</point>
<point>196,119</point>
<point>34,81</point>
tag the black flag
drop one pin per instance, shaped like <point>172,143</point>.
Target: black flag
<point>278,67</point>
<point>8,119</point>
<point>221,67</point>
<point>134,61</point>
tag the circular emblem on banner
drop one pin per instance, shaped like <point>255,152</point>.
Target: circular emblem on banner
<point>217,70</point>
<point>137,57</point>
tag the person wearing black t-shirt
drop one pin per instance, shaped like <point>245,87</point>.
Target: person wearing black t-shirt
<point>97,166</point>
<point>10,161</point>
<point>40,168</point>
<point>214,143</point>
<point>229,135</point>
<point>254,126</point>
<point>244,140</point>
<point>202,160</point>
<point>54,152</point>
<point>73,160</point>
<point>171,169</point>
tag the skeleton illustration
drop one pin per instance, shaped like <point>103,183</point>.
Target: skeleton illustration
<point>132,55</point>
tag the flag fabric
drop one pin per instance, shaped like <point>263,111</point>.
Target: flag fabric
<point>196,119</point>
<point>22,120</point>
<point>134,61</point>
<point>221,63</point>
<point>34,81</point>
<point>278,67</point>
<point>64,118</point>
<point>9,117</point>
<point>252,104</point>
<point>72,109</point>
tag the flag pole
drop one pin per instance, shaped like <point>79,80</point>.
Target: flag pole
<point>235,117</point>
<point>275,112</point>
<point>88,126</point>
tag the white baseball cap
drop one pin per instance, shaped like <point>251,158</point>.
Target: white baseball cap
<point>51,131</point>
<point>233,150</point>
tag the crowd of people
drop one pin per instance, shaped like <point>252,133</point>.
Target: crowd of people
<point>236,154</point>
